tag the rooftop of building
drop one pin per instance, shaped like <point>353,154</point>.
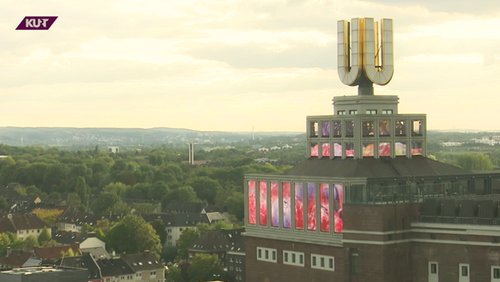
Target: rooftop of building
<point>24,221</point>
<point>375,168</point>
<point>215,241</point>
<point>142,261</point>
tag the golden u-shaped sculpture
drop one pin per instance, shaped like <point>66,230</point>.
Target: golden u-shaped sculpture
<point>365,56</point>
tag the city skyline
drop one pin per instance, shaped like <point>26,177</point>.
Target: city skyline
<point>238,65</point>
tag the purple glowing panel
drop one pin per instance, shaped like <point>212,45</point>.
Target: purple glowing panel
<point>314,150</point>
<point>263,203</point>
<point>311,206</point>
<point>299,206</point>
<point>325,128</point>
<point>325,149</point>
<point>338,205</point>
<point>275,212</point>
<point>324,199</point>
<point>287,208</point>
<point>251,202</point>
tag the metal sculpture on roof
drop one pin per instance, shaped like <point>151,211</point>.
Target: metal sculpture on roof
<point>365,55</point>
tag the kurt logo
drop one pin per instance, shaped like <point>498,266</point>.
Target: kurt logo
<point>36,23</point>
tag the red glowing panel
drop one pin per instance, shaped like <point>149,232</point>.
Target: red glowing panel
<point>325,150</point>
<point>324,199</point>
<point>384,150</point>
<point>287,209</point>
<point>251,202</point>
<point>275,213</point>
<point>338,205</point>
<point>263,202</point>
<point>299,206</point>
<point>311,206</point>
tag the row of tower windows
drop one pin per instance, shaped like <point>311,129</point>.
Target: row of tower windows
<point>333,128</point>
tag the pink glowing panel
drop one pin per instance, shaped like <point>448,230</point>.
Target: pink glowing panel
<point>325,149</point>
<point>368,150</point>
<point>400,149</point>
<point>324,199</point>
<point>416,149</point>
<point>287,208</point>
<point>311,206</point>
<point>251,202</point>
<point>337,150</point>
<point>263,202</point>
<point>384,149</point>
<point>299,206</point>
<point>338,205</point>
<point>275,212</point>
<point>314,150</point>
<point>349,150</point>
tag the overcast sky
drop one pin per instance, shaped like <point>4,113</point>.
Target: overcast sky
<point>237,64</point>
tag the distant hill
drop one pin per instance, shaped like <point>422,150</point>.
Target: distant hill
<point>88,137</point>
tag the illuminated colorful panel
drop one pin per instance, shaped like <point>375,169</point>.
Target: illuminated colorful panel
<point>299,206</point>
<point>251,202</point>
<point>311,206</point>
<point>324,199</point>
<point>275,213</point>
<point>263,202</point>
<point>349,150</point>
<point>287,208</point>
<point>337,150</point>
<point>325,149</point>
<point>416,149</point>
<point>400,149</point>
<point>384,149</point>
<point>314,150</point>
<point>325,128</point>
<point>338,204</point>
<point>384,128</point>
<point>368,150</point>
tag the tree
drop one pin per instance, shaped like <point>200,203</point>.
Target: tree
<point>3,203</point>
<point>205,188</point>
<point>82,190</point>
<point>205,267</point>
<point>44,237</point>
<point>234,205</point>
<point>133,234</point>
<point>186,240</point>
<point>48,216</point>
<point>159,227</point>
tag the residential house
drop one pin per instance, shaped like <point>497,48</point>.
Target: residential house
<point>50,255</point>
<point>23,225</point>
<point>18,258</point>
<point>86,243</point>
<point>228,246</point>
<point>18,202</point>
<point>73,220</point>
<point>146,267</point>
